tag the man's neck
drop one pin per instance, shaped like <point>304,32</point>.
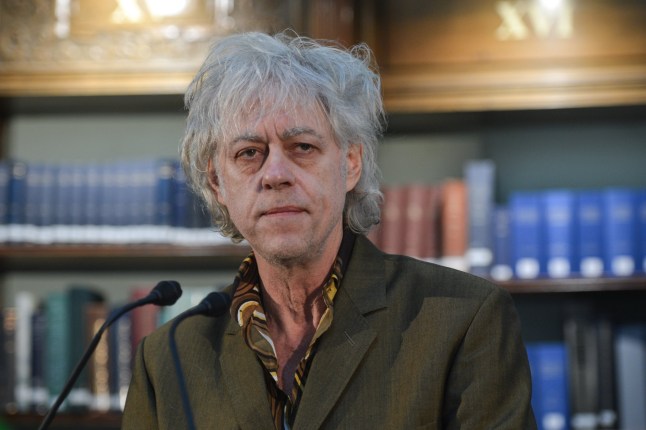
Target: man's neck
<point>291,292</point>
<point>293,304</point>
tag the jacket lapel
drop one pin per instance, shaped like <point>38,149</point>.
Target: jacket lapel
<point>344,345</point>
<point>244,381</point>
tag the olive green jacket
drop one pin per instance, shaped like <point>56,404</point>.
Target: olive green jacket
<point>412,345</point>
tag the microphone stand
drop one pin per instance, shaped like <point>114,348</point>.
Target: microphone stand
<point>213,305</point>
<point>188,412</point>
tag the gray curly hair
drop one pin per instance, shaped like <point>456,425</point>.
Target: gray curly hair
<point>272,72</point>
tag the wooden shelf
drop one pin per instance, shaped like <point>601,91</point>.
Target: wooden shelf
<point>574,285</point>
<point>91,420</point>
<point>121,257</point>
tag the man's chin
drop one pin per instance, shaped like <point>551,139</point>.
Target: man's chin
<point>285,250</point>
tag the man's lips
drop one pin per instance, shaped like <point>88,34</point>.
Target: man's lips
<point>283,210</point>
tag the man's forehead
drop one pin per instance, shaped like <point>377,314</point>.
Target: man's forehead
<point>285,123</point>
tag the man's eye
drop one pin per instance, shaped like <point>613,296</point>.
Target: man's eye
<point>247,153</point>
<point>305,147</point>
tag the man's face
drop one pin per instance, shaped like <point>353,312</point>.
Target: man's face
<point>284,181</point>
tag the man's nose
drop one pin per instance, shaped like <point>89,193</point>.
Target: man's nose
<point>277,170</point>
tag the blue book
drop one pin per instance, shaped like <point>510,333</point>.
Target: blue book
<point>17,192</point>
<point>548,364</point>
<point>78,185</point>
<point>183,198</point>
<point>641,227</point>
<point>49,192</point>
<point>5,178</point>
<point>558,218</point>
<point>164,192</point>
<point>526,225</point>
<point>620,222</point>
<point>108,185</point>
<point>63,213</point>
<point>93,196</point>
<point>501,268</point>
<point>589,234</point>
<point>34,193</point>
<point>479,176</point>
<point>17,201</point>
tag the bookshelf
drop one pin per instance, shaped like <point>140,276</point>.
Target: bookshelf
<point>547,122</point>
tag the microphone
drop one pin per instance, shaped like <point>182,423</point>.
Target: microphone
<point>214,305</point>
<point>165,293</point>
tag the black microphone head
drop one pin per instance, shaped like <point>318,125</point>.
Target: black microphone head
<point>167,293</point>
<point>215,304</point>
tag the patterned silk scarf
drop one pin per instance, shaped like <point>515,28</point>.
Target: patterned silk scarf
<point>247,310</point>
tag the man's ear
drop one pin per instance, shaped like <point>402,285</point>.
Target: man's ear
<point>354,165</point>
<point>214,181</point>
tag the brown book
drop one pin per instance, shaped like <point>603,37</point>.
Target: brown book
<point>98,366</point>
<point>421,216</point>
<point>454,223</point>
<point>143,318</point>
<point>8,360</point>
<point>393,220</point>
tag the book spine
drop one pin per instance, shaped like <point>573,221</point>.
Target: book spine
<point>164,192</point>
<point>25,307</point>
<point>5,183</point>
<point>417,224</point>
<point>93,202</point>
<point>57,348</point>
<point>630,350</point>
<point>47,204</point>
<point>181,198</point>
<point>582,349</point>
<point>549,375</point>
<point>8,399</point>
<point>98,371</point>
<point>619,231</point>
<point>526,234</point>
<point>124,360</point>
<point>480,181</point>
<point>589,234</point>
<point>40,395</point>
<point>79,298</point>
<point>393,219</point>
<point>641,227</point>
<point>17,201</point>
<point>502,267</point>
<point>608,415</point>
<point>63,203</point>
<point>558,216</point>
<point>143,319</point>
<point>454,224</point>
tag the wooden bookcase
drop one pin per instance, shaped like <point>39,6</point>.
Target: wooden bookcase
<point>446,72</point>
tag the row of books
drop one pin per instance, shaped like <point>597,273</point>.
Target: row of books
<point>563,233</point>
<point>41,342</point>
<point>554,233</point>
<point>594,379</point>
<point>125,201</point>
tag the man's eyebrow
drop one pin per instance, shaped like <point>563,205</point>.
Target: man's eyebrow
<point>247,137</point>
<point>297,131</point>
<point>288,133</point>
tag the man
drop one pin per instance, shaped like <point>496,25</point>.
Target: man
<point>325,330</point>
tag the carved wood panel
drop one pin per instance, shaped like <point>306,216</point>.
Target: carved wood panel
<point>443,55</point>
<point>71,47</point>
